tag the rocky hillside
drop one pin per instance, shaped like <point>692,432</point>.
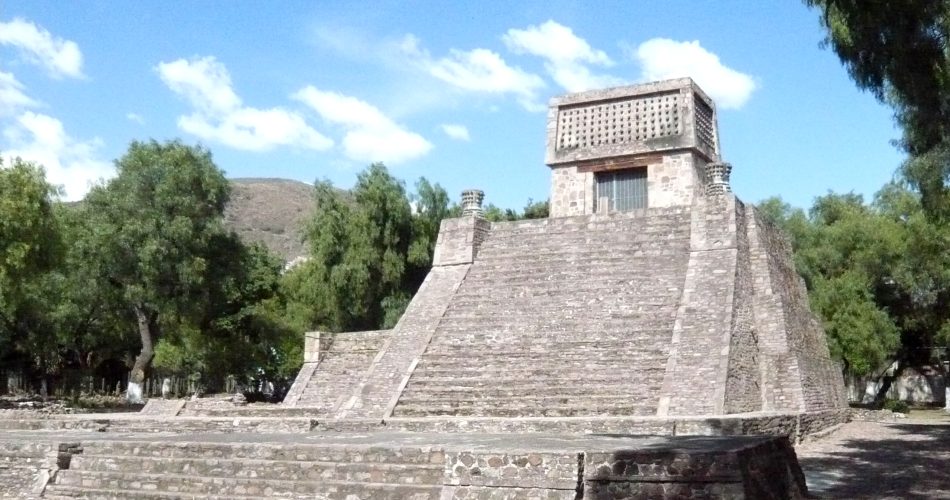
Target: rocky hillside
<point>271,211</point>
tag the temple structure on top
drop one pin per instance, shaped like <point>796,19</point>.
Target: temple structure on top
<point>624,148</point>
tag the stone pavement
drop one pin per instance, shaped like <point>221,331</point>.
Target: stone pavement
<point>909,459</point>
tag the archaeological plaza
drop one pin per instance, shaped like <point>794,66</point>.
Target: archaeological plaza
<point>650,339</point>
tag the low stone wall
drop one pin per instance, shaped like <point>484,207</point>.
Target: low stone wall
<point>793,426</point>
<point>295,420</point>
<point>387,465</point>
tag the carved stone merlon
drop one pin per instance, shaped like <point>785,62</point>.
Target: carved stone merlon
<point>717,178</point>
<point>472,202</point>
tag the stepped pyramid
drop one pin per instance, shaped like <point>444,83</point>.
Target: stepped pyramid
<point>651,291</point>
<point>629,346</point>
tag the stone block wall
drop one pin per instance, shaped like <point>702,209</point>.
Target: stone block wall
<point>673,180</point>
<point>743,377</point>
<point>744,339</point>
<point>459,240</point>
<point>393,466</point>
<point>799,373</point>
<point>572,192</point>
<point>695,380</point>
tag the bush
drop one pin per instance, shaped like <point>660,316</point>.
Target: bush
<point>896,406</point>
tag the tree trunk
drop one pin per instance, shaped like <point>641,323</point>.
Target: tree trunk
<point>148,332</point>
<point>888,381</point>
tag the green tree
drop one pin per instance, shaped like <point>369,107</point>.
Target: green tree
<point>536,209</point>
<point>30,243</point>
<point>899,51</point>
<point>155,223</point>
<point>232,334</point>
<point>30,247</point>
<point>359,253</point>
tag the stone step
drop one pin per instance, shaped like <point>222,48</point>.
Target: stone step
<point>495,410</point>
<point>449,339</point>
<point>348,344</point>
<point>474,399</point>
<point>553,359</point>
<point>62,492</point>
<point>289,451</point>
<point>644,225</point>
<point>582,289</point>
<point>581,240</point>
<point>537,369</point>
<point>242,468</point>
<point>575,389</point>
<point>547,352</point>
<point>630,315</point>
<point>502,382</point>
<point>191,485</point>
<point>490,259</point>
<point>638,341</point>
<point>634,216</point>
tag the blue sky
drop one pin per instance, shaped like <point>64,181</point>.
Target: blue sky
<point>451,91</point>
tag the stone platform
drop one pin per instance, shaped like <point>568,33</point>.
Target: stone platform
<point>279,419</point>
<point>391,465</point>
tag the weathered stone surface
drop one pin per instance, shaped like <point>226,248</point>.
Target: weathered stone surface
<point>535,349</point>
<point>414,465</point>
<point>336,361</point>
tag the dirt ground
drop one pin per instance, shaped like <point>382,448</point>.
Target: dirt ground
<point>908,459</point>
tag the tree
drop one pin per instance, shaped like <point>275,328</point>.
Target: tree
<point>29,236</point>
<point>155,223</point>
<point>357,275</point>
<point>536,209</point>
<point>231,334</point>
<point>30,247</point>
<point>899,51</point>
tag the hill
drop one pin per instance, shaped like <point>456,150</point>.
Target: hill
<point>271,211</point>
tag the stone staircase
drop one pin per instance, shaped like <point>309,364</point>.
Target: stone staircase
<point>343,359</point>
<point>558,318</point>
<point>165,470</point>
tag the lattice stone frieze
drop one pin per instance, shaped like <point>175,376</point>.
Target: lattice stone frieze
<point>621,121</point>
<point>705,131</point>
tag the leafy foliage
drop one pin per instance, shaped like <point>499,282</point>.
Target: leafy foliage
<point>900,51</point>
<point>144,265</point>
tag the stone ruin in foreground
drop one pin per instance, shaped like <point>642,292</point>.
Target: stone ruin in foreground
<point>537,355</point>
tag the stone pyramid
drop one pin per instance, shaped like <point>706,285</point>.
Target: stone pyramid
<point>651,292</point>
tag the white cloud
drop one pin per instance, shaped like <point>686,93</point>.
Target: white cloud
<point>70,163</point>
<point>36,45</point>
<point>662,58</point>
<point>12,95</point>
<point>566,55</point>
<point>478,70</point>
<point>204,82</point>
<point>370,135</point>
<point>220,115</point>
<point>455,131</point>
<point>135,117</point>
